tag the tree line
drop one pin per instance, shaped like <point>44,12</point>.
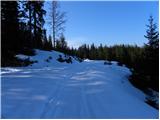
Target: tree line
<point>22,30</point>
<point>142,61</point>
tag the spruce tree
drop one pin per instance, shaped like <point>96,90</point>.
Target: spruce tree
<point>152,34</point>
<point>35,15</point>
<point>27,14</point>
<point>50,42</point>
<point>9,28</point>
<point>151,55</point>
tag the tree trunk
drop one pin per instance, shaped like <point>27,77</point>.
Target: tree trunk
<point>35,27</point>
<point>30,26</point>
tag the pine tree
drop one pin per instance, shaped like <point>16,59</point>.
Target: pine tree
<point>152,54</point>
<point>63,42</point>
<point>35,14</point>
<point>50,42</point>
<point>101,55</point>
<point>27,15</point>
<point>146,61</point>
<point>152,34</point>
<point>10,27</point>
<point>93,52</point>
<point>37,24</point>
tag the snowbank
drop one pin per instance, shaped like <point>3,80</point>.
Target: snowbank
<point>50,89</point>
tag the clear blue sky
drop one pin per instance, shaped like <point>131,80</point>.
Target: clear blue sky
<point>107,22</point>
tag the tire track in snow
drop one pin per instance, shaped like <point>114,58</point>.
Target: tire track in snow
<point>51,103</point>
<point>84,106</point>
<point>88,111</point>
<point>89,101</point>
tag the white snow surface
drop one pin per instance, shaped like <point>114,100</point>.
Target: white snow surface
<point>79,90</point>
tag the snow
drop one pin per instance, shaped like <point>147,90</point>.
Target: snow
<point>79,90</point>
<point>22,57</point>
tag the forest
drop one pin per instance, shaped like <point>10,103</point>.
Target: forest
<point>22,31</point>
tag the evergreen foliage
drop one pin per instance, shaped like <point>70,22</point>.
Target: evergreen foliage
<point>146,72</point>
<point>9,29</point>
<point>22,31</point>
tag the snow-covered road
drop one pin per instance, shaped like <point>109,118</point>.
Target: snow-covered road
<point>82,90</point>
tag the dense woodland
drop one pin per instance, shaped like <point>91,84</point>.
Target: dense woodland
<point>22,31</point>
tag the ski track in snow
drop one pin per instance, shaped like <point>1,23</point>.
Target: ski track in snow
<point>80,90</point>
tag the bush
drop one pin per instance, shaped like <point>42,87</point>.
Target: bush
<point>78,59</point>
<point>69,60</point>
<point>35,61</point>
<point>152,103</point>
<point>107,63</point>
<point>50,57</point>
<point>138,81</point>
<point>27,51</point>
<point>60,59</point>
<point>120,64</point>
<point>152,98</point>
<point>27,62</point>
<point>142,82</point>
<point>47,60</point>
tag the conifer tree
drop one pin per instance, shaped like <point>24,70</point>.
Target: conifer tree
<point>50,42</point>
<point>10,27</point>
<point>151,55</point>
<point>152,34</point>
<point>35,20</point>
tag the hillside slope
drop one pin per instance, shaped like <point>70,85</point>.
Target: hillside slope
<point>50,89</point>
